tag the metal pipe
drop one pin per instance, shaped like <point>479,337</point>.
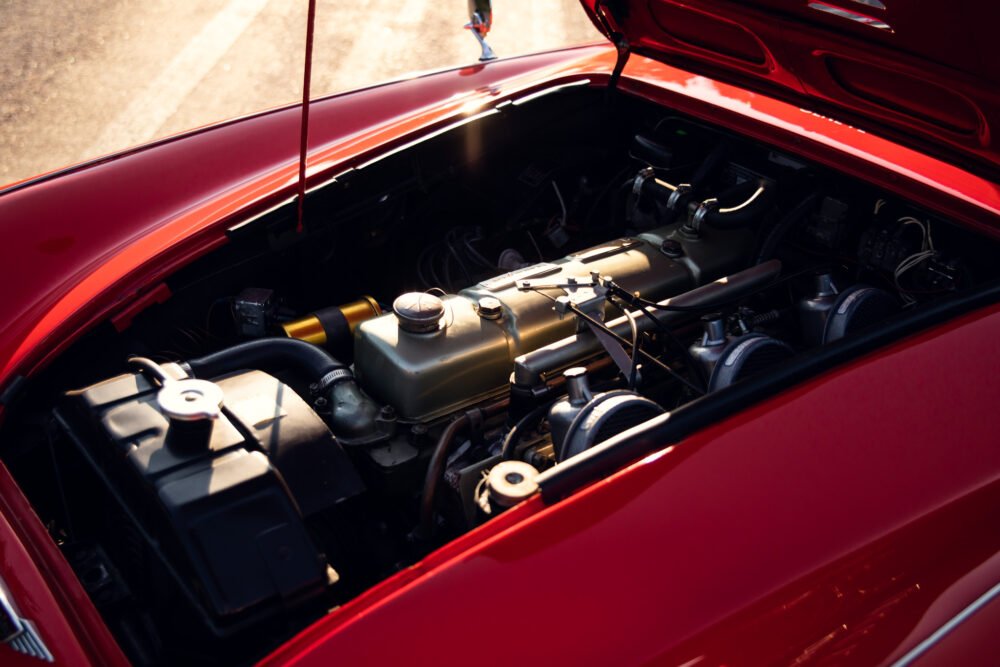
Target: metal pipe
<point>531,369</point>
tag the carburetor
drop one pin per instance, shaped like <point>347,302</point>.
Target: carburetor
<point>435,355</point>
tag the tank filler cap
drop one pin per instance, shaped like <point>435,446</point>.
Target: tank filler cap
<point>418,312</point>
<point>190,400</point>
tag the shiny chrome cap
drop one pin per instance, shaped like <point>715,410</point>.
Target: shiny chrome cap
<point>418,312</point>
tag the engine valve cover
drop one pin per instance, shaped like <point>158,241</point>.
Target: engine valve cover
<point>469,356</point>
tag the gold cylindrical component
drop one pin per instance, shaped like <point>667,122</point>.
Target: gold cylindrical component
<point>307,328</point>
<point>332,325</point>
<point>358,311</point>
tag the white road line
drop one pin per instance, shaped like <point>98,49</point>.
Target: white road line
<point>150,109</point>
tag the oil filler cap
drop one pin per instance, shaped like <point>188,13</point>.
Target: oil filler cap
<point>418,312</point>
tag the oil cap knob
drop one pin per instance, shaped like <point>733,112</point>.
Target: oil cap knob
<point>418,312</point>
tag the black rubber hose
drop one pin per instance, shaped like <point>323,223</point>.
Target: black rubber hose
<point>434,472</point>
<point>436,467</point>
<point>753,199</point>
<point>790,219</point>
<point>267,354</point>
<point>709,164</point>
<point>651,152</point>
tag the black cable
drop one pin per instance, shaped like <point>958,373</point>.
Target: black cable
<point>752,199</point>
<point>446,269</point>
<point>468,240</point>
<point>454,253</point>
<point>513,437</point>
<point>790,219</point>
<point>602,194</point>
<point>600,325</point>
<point>696,369</point>
<point>538,250</point>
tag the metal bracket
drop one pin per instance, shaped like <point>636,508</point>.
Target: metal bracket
<point>613,348</point>
<point>586,294</point>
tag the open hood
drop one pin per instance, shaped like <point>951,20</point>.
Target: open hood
<point>924,74</point>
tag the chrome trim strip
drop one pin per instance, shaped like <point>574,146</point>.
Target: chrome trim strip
<point>871,3</point>
<point>869,21</point>
<point>939,634</point>
<point>548,91</point>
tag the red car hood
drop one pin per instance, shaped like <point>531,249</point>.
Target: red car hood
<point>922,73</point>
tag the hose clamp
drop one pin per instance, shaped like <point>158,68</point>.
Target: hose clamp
<point>644,175</point>
<point>704,208</point>
<point>332,378</point>
<point>681,191</point>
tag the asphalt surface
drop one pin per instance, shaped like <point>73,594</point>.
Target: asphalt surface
<point>83,78</point>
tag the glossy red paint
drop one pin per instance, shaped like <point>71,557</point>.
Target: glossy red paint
<point>140,215</point>
<point>926,74</point>
<point>820,526</point>
<point>174,199</point>
<point>968,642</point>
<point>963,196</point>
<point>92,242</point>
<point>46,590</point>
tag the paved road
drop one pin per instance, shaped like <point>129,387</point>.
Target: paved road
<point>81,78</point>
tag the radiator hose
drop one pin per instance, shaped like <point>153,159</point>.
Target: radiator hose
<point>352,415</point>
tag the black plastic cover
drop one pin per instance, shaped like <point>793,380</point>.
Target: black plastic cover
<point>233,505</point>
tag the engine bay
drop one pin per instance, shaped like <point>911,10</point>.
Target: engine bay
<point>309,413</point>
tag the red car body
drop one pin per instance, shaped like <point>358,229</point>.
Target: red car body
<point>845,520</point>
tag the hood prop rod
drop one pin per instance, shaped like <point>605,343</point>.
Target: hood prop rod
<point>617,38</point>
<point>304,125</point>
